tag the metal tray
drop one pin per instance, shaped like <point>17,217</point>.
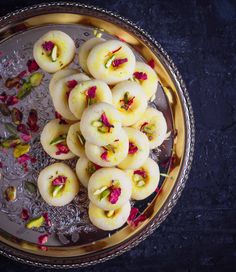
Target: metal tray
<point>74,242</point>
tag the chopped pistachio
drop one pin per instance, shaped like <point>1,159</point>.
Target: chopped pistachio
<point>103,129</point>
<point>59,139</point>
<point>36,79</point>
<point>11,128</point>
<point>109,61</point>
<point>81,138</point>
<point>54,53</point>
<point>10,193</point>
<point>110,213</point>
<point>140,183</point>
<point>56,190</point>
<point>97,124</point>
<point>104,194</point>
<point>137,178</point>
<point>20,150</point>
<point>149,128</point>
<point>31,187</point>
<point>24,90</point>
<point>99,191</point>
<point>10,141</point>
<point>35,222</point>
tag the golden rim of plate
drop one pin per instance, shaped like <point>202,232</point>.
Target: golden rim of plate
<point>183,122</point>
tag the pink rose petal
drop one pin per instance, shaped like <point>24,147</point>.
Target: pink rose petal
<point>104,155</point>
<point>140,75</point>
<point>62,149</point>
<point>32,65</point>
<point>43,239</point>
<point>118,62</point>
<point>141,173</point>
<point>48,46</point>
<point>132,148</point>
<point>60,180</point>
<point>114,195</point>
<point>91,93</point>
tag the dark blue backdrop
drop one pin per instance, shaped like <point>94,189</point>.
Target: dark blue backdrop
<point>200,234</point>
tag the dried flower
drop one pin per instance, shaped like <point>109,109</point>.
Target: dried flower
<point>140,75</point>
<point>48,46</point>
<point>62,149</point>
<point>118,62</point>
<point>114,195</point>
<point>132,148</point>
<point>60,180</point>
<point>43,239</point>
<point>32,65</point>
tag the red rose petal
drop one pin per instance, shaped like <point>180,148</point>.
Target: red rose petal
<point>26,138</point>
<point>48,46</point>
<point>140,75</point>
<point>32,65</point>
<point>151,63</point>
<point>43,248</point>
<point>62,149</point>
<point>114,195</point>
<point>133,214</point>
<point>23,129</point>
<point>47,220</point>
<point>132,148</point>
<point>23,159</point>
<point>91,93</point>
<point>12,100</point>
<point>43,239</point>
<point>60,180</point>
<point>138,220</point>
<point>118,62</point>
<point>105,120</point>
<point>104,155</point>
<point>71,83</point>
<point>141,173</point>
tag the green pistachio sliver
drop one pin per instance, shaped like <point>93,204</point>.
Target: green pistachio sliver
<point>4,109</point>
<point>109,61</point>
<point>90,168</point>
<point>36,79</point>
<point>149,128</point>
<point>11,128</point>
<point>109,214</point>
<point>99,191</point>
<point>140,183</point>
<point>7,143</point>
<point>24,90</point>
<point>31,187</point>
<point>10,193</point>
<point>102,129</point>
<point>59,139</point>
<point>56,190</point>
<point>126,97</point>
<point>104,194</point>
<point>35,222</point>
<point>97,124</point>
<point>110,147</point>
<point>81,138</point>
<point>54,53</point>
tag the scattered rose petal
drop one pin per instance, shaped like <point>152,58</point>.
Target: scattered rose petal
<point>43,239</point>
<point>12,100</point>
<point>133,213</point>
<point>60,180</point>
<point>141,173</point>
<point>48,46</point>
<point>140,75</point>
<point>26,138</point>
<point>47,220</point>
<point>32,65</point>
<point>91,93</point>
<point>118,62</point>
<point>114,195</point>
<point>105,120</point>
<point>43,248</point>
<point>132,148</point>
<point>25,214</point>
<point>151,63</point>
<point>23,129</point>
<point>22,74</point>
<point>104,156</point>
<point>23,159</point>
<point>138,220</point>
<point>62,149</point>
<point>32,120</point>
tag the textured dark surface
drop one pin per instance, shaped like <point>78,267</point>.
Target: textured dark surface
<point>200,233</point>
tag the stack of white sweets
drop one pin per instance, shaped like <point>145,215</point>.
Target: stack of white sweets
<point>104,119</point>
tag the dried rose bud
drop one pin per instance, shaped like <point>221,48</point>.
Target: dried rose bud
<point>16,116</point>
<point>32,120</point>
<point>10,193</point>
<point>32,65</point>
<point>12,82</point>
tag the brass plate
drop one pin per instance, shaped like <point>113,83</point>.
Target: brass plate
<point>180,115</point>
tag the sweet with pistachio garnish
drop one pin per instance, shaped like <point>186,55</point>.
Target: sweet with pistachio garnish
<point>58,184</point>
<point>111,61</point>
<point>87,93</point>
<point>75,140</point>
<point>53,51</point>
<point>100,124</point>
<point>111,154</point>
<point>53,140</point>
<point>109,188</point>
<point>130,100</point>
